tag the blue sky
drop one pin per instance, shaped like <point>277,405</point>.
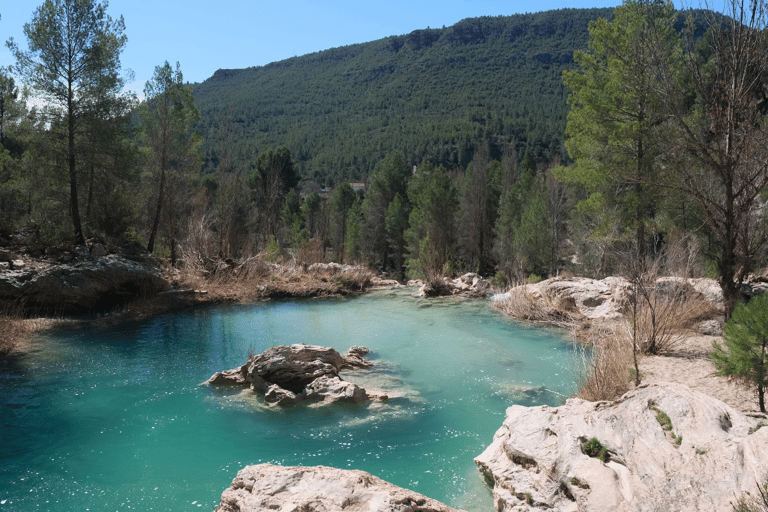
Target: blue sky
<point>207,35</point>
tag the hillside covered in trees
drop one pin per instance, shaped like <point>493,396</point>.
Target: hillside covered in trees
<point>566,141</point>
<point>433,93</point>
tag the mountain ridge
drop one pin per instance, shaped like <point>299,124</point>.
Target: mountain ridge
<point>433,93</point>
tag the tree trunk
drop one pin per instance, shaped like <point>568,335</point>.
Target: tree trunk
<point>73,203</point>
<point>156,222</point>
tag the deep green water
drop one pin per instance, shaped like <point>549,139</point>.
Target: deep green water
<point>114,418</point>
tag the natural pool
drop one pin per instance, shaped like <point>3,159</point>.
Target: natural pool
<point>114,419</point>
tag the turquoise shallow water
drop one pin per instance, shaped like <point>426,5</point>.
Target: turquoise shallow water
<point>114,418</point>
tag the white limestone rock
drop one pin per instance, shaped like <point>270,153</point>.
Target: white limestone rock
<point>538,451</point>
<point>266,487</point>
<point>710,328</point>
<point>609,298</point>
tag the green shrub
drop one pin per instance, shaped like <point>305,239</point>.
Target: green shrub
<point>663,419</point>
<point>578,483</point>
<point>273,249</point>
<point>499,280</point>
<point>595,448</point>
<point>744,355</point>
<point>533,279</point>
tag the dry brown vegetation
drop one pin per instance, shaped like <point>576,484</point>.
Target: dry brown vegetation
<point>602,367</point>
<point>257,279</point>
<point>13,329</point>
<point>660,313</point>
<point>524,304</point>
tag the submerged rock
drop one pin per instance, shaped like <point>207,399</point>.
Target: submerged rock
<point>289,374</point>
<point>667,448</point>
<point>267,487</point>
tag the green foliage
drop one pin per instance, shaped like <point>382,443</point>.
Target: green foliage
<point>172,150</point>
<point>533,279</point>
<point>73,64</point>
<point>277,163</point>
<point>435,198</point>
<point>578,483</point>
<point>595,448</point>
<point>272,249</point>
<point>710,270</point>
<point>396,219</point>
<point>434,96</point>
<point>663,419</point>
<point>499,280</point>
<point>745,338</point>
<point>615,131</point>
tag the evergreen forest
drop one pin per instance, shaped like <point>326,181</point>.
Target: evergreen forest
<point>518,147</point>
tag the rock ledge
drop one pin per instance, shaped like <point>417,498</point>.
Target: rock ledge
<point>711,454</point>
<point>267,487</point>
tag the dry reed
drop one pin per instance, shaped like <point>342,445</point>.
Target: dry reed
<point>13,328</point>
<point>602,367</point>
<point>524,304</point>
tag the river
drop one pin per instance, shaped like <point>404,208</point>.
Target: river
<point>114,418</point>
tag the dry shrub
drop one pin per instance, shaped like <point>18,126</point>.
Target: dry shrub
<point>255,278</point>
<point>521,303</point>
<point>662,308</point>
<point>12,329</point>
<point>357,279</point>
<point>198,253</point>
<point>310,252</point>
<point>757,502</point>
<point>665,309</point>
<point>603,366</point>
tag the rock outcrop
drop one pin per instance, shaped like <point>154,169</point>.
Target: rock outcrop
<point>666,448</point>
<point>608,298</point>
<point>287,375</point>
<point>267,487</point>
<point>467,285</point>
<point>86,285</point>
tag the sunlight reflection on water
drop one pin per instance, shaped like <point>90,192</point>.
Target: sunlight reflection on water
<point>115,418</point>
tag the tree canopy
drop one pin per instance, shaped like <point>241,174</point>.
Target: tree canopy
<point>73,65</point>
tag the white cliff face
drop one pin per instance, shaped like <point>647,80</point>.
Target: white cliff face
<point>266,487</point>
<point>709,457</point>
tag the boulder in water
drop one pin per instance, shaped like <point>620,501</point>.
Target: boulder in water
<point>289,374</point>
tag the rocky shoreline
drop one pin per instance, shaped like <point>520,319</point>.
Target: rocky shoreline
<point>710,456</point>
<point>666,447</point>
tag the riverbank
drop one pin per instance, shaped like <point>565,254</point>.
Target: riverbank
<point>688,320</point>
<point>230,282</point>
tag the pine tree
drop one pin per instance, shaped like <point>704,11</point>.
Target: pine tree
<point>746,339</point>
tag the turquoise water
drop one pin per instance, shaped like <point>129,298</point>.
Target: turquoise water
<point>114,418</point>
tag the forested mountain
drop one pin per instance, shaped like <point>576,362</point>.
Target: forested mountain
<point>433,93</point>
<point>234,166</point>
